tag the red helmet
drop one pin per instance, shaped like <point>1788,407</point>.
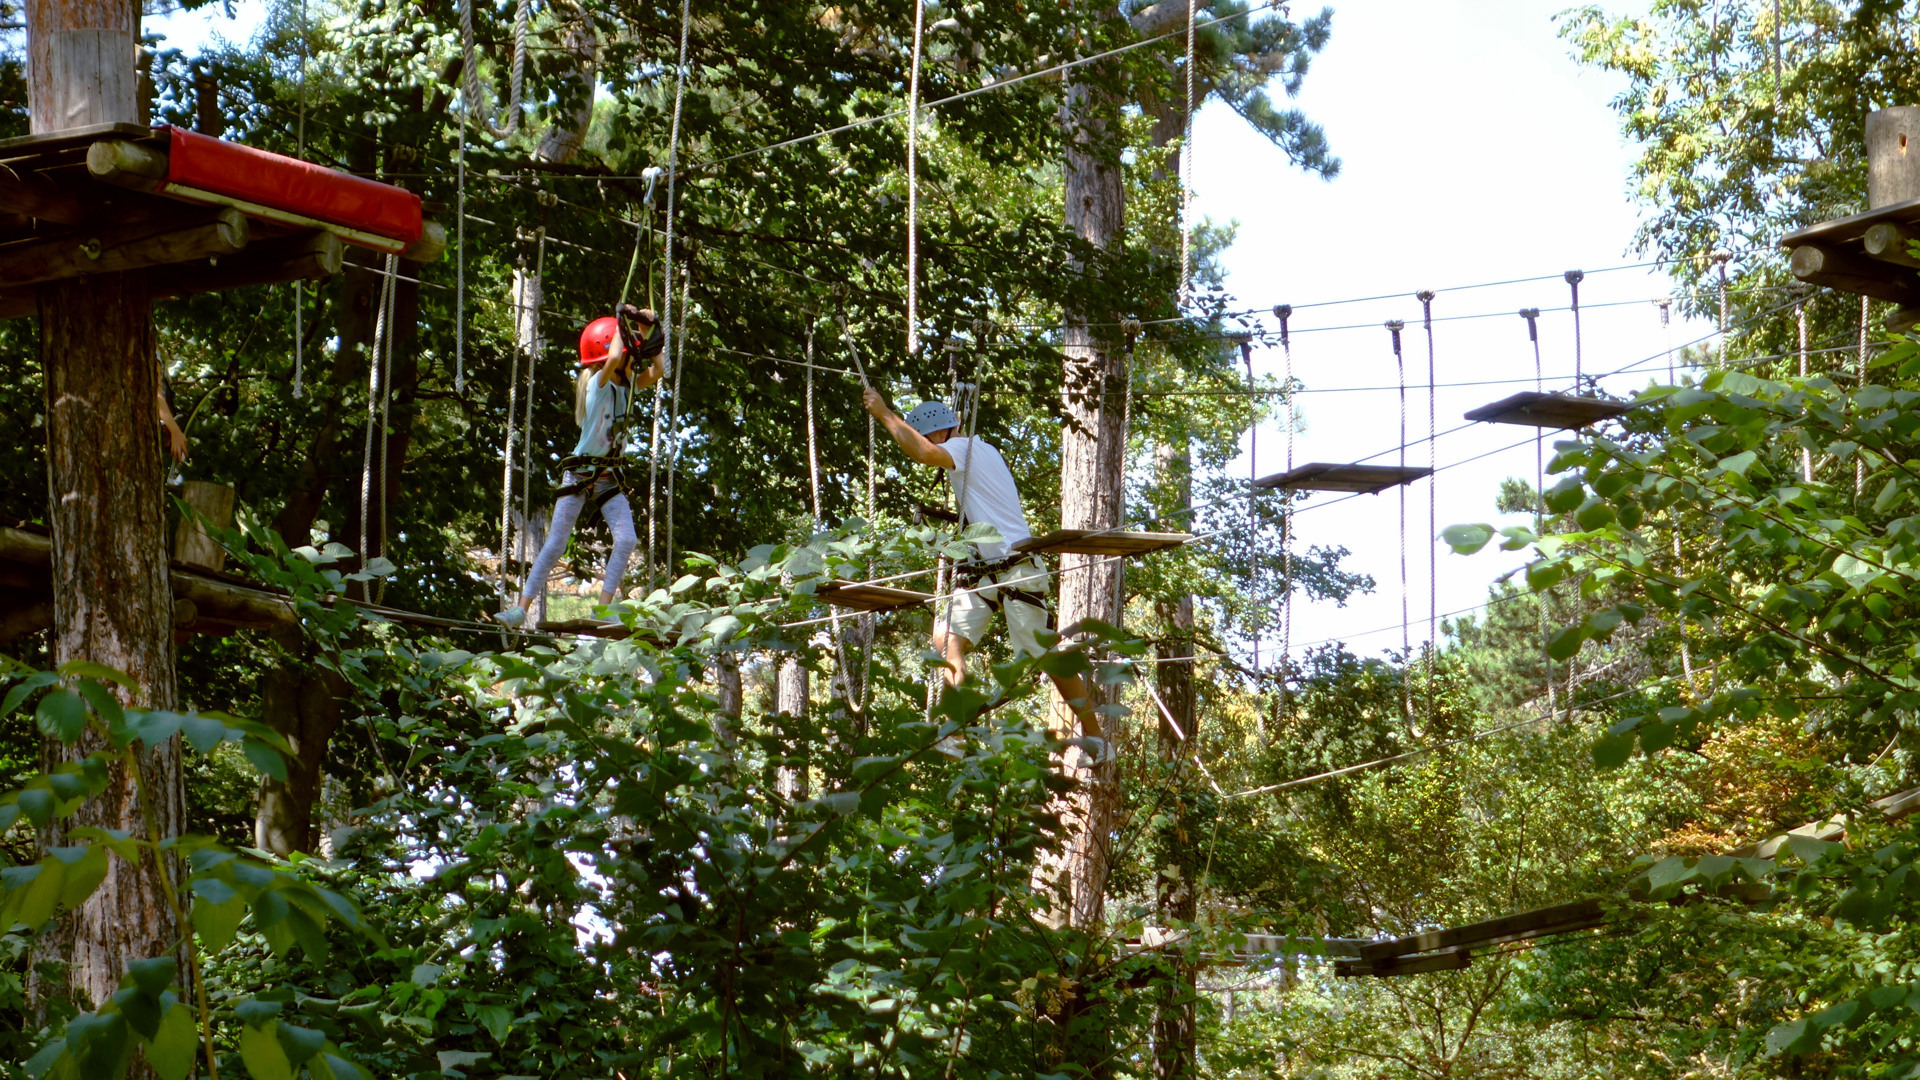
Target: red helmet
<point>596,341</point>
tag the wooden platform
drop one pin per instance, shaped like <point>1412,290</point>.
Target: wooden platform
<point>81,201</point>
<point>1100,542</point>
<point>1866,254</point>
<point>1564,411</point>
<point>861,597</point>
<point>1324,476</point>
<point>584,628</point>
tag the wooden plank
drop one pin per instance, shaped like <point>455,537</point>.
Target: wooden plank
<point>32,197</point>
<point>1506,928</point>
<point>1327,476</point>
<point>1853,227</point>
<point>862,597</point>
<point>26,145</point>
<point>1535,409</point>
<point>1417,965</point>
<point>129,247</point>
<point>1101,542</point>
<point>585,628</point>
<point>295,258</point>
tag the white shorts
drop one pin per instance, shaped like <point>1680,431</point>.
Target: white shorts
<point>1020,593</point>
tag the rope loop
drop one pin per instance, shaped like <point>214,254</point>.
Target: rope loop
<point>1394,326</point>
<point>1532,315</point>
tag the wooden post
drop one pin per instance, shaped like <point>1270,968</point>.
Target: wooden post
<point>191,544</point>
<point>111,596</point>
<point>1893,176</point>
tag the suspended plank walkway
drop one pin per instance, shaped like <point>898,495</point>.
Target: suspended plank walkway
<point>1563,411</point>
<point>1326,476</point>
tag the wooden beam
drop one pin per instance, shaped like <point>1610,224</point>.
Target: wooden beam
<point>1556,919</point>
<point>33,197</point>
<point>294,258</point>
<point>129,247</point>
<point>127,164</point>
<point>1891,243</point>
<point>1846,272</point>
<point>1415,965</point>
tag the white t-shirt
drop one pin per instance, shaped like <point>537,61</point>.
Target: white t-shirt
<point>605,402</point>
<point>984,485</point>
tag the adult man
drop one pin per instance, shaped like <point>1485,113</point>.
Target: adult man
<point>986,495</point>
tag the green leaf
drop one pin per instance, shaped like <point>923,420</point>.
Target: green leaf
<point>1466,539</point>
<point>1566,642</point>
<point>142,1013</point>
<point>331,1066</point>
<point>427,974</point>
<point>36,903</point>
<point>90,669</point>
<point>98,1045</point>
<point>265,758</point>
<point>460,1059</point>
<point>1738,464</point>
<point>61,715</point>
<point>154,976</point>
<point>105,705</point>
<point>1612,751</point>
<point>156,726</point>
<point>497,1019</point>
<point>83,875</point>
<point>300,1043</point>
<point>174,1048</point>
<point>1855,572</point>
<point>260,1049</point>
<point>203,733</point>
<point>216,923</point>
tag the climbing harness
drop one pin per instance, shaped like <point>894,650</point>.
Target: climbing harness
<point>516,78</point>
<point>913,182</point>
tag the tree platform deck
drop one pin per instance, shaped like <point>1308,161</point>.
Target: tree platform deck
<point>1118,542</point>
<point>1867,254</point>
<point>858,596</point>
<point>120,197</point>
<point>1327,476</point>
<point>1564,411</point>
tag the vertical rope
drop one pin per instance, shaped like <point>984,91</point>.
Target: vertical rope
<point>1253,474</point>
<point>516,78</point>
<point>1532,315</point>
<point>1860,368</point>
<point>673,422</point>
<point>506,450</point>
<point>299,288</point>
<point>1284,312</point>
<point>1800,325</point>
<point>913,182</point>
<point>1186,171</point>
<point>386,402</point>
<point>1721,257</point>
<point>1574,278</point>
<point>531,312</point>
<point>1666,330</point>
<point>374,386</point>
<point>1394,326</point>
<point>673,187</point>
<point>460,256</point>
<point>813,446</point>
<point>1425,297</point>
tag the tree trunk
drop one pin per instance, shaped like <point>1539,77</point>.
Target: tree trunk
<point>302,702</point>
<point>1175,1037</point>
<point>792,694</point>
<point>1093,457</point>
<point>112,601</point>
<point>111,595</point>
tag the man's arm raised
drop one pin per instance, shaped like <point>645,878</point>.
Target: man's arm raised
<point>915,444</point>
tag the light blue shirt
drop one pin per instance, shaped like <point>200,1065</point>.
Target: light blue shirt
<point>606,401</point>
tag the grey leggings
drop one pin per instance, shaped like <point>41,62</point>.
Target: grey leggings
<point>566,510</point>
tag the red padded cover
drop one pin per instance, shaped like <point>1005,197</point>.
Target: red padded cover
<point>299,187</point>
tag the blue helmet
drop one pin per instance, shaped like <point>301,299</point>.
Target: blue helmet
<point>931,416</point>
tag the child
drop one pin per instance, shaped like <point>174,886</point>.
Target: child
<point>602,398</point>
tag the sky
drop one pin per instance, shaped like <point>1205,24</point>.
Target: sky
<point>1474,150</point>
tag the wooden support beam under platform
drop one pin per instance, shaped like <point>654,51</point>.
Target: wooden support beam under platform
<point>187,238</point>
<point>860,596</point>
<point>1326,476</point>
<point>1115,542</point>
<point>1565,411</point>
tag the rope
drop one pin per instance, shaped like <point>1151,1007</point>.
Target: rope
<point>1800,324</point>
<point>1532,315</point>
<point>460,254</point>
<point>673,174</point>
<point>506,451</point>
<point>1253,474</point>
<point>1574,278</point>
<point>1721,257</point>
<point>300,141</point>
<point>813,447</point>
<point>673,425</point>
<point>1394,327</point>
<point>526,426</point>
<point>1666,330</point>
<point>1859,465</point>
<point>376,385</point>
<point>1425,297</point>
<point>1186,181</point>
<point>516,79</point>
<point>913,183</point>
<point>386,402</point>
<point>1284,312</point>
